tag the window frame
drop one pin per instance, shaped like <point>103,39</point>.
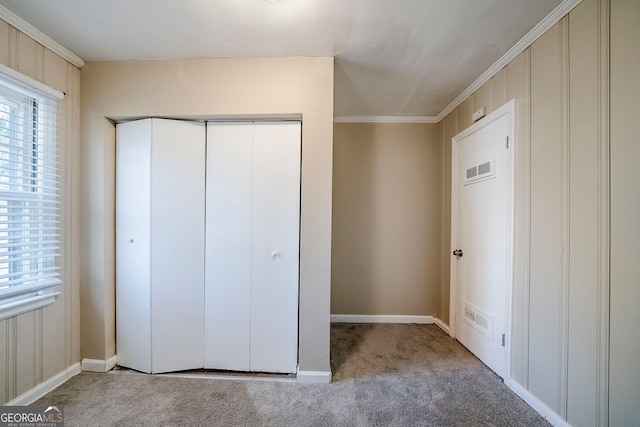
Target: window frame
<point>29,159</point>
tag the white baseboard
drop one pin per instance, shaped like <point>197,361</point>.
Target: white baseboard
<point>30,396</point>
<point>380,318</point>
<point>97,365</point>
<point>540,407</point>
<point>313,377</point>
<point>440,324</point>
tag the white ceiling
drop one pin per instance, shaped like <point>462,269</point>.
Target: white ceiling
<point>392,57</point>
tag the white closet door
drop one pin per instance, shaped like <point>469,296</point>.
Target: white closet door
<point>133,209</point>
<point>253,211</point>
<point>160,244</point>
<point>228,251</point>
<point>275,247</point>
<point>177,244</point>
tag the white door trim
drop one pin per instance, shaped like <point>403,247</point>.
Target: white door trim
<point>507,109</point>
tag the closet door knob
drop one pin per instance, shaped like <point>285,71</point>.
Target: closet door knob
<point>275,255</point>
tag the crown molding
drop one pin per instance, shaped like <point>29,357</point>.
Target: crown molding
<point>28,29</point>
<point>550,20</point>
<point>385,119</point>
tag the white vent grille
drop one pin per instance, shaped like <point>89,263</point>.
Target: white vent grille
<point>469,314</point>
<point>478,319</point>
<point>481,171</point>
<point>484,168</point>
<point>482,321</point>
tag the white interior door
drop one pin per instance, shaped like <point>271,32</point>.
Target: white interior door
<point>482,237</point>
<point>275,247</point>
<point>133,263</point>
<point>252,255</point>
<point>228,248</point>
<point>177,244</point>
<point>160,244</point>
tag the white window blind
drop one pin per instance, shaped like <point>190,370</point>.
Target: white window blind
<point>30,238</point>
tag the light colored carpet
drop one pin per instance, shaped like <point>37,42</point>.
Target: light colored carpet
<point>383,375</point>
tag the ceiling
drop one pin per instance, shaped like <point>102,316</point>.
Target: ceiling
<point>392,57</point>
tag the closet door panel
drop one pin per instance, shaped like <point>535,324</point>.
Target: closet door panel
<point>275,247</point>
<point>228,253</point>
<point>133,284</point>
<point>177,244</point>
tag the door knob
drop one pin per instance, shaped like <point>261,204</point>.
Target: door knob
<point>275,255</point>
<point>458,253</point>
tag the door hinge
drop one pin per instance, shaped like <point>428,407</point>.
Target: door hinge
<point>503,340</point>
<point>506,142</point>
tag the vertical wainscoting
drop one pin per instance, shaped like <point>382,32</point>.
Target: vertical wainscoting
<point>588,221</point>
<point>43,346</point>
<point>559,343</point>
<point>625,211</point>
<point>547,306</point>
<point>517,86</point>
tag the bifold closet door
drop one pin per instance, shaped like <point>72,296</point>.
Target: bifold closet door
<point>160,178</point>
<point>228,246</point>
<point>252,246</point>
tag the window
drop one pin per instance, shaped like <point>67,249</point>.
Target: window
<point>30,238</point>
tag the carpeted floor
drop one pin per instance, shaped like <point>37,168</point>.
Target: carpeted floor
<point>383,375</point>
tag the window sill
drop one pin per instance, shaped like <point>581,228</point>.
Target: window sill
<point>28,304</point>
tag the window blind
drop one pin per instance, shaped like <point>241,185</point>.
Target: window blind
<point>30,237</point>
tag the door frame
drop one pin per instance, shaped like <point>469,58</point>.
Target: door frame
<point>507,109</point>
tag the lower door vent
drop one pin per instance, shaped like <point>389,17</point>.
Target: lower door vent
<point>478,319</point>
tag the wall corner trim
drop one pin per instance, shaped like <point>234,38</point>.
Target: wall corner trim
<point>28,29</point>
<point>45,387</point>
<point>555,419</point>
<point>95,365</point>
<point>313,377</point>
<point>380,318</point>
<point>445,328</point>
<point>550,20</point>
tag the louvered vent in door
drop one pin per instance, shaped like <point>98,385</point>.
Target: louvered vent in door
<point>478,319</point>
<point>480,172</point>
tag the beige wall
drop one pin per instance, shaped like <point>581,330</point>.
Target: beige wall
<point>248,88</point>
<point>385,187</point>
<point>38,345</point>
<point>561,275</point>
<point>625,213</point>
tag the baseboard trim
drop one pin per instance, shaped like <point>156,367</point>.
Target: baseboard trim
<point>97,365</point>
<point>30,396</point>
<point>539,406</point>
<point>440,324</point>
<point>313,377</point>
<point>380,318</point>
